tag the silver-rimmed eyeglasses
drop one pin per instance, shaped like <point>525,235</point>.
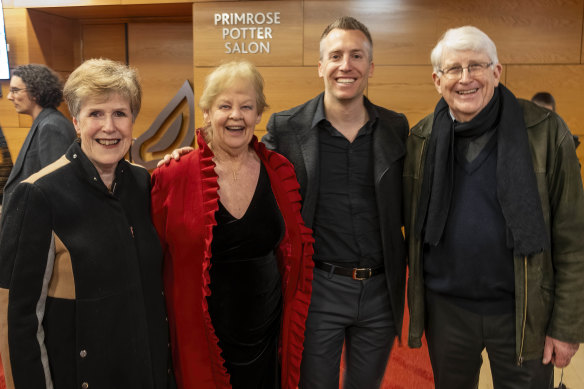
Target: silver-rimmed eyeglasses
<point>16,90</point>
<point>474,69</point>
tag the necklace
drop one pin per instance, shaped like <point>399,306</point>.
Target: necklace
<point>234,172</point>
<point>224,165</point>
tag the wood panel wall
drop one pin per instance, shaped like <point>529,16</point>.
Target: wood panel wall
<point>163,68</point>
<point>528,33</point>
<point>35,37</point>
<point>539,42</point>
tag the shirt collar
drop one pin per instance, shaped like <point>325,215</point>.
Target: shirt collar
<point>319,115</point>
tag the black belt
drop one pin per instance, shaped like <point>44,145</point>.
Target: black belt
<point>357,273</point>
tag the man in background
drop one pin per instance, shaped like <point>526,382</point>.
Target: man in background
<point>546,100</point>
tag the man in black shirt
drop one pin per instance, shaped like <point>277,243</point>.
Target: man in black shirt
<point>348,155</point>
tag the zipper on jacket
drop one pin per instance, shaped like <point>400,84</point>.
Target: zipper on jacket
<point>422,156</point>
<point>520,359</point>
<point>411,307</point>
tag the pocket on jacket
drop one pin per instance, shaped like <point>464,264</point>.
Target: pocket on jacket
<point>112,342</point>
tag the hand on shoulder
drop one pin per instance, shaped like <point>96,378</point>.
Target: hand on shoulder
<point>175,154</point>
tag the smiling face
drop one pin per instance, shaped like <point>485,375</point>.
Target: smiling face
<point>468,95</point>
<point>105,128</point>
<point>345,65</point>
<point>22,101</point>
<point>233,117</point>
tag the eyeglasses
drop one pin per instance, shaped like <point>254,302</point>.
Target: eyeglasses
<point>16,90</point>
<point>474,69</point>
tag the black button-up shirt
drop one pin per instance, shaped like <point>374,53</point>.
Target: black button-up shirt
<point>346,222</point>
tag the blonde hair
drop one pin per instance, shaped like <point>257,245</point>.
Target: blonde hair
<point>100,78</point>
<point>225,76</point>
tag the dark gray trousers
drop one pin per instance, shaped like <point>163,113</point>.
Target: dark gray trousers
<point>355,312</point>
<point>456,338</point>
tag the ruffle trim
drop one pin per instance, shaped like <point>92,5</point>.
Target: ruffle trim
<point>209,187</point>
<point>296,277</point>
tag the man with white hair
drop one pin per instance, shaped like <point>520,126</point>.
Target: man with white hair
<point>494,222</point>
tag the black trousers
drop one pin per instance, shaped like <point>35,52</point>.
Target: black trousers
<point>357,313</point>
<point>456,338</point>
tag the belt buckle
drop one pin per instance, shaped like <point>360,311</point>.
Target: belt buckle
<point>355,270</point>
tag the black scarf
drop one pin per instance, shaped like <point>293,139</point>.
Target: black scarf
<point>516,183</point>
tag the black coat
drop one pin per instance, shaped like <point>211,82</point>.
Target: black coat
<point>49,137</point>
<point>293,134</point>
<point>87,281</point>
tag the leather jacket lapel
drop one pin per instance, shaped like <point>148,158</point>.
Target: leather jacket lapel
<point>387,149</point>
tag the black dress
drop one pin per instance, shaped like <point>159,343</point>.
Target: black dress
<point>246,296</point>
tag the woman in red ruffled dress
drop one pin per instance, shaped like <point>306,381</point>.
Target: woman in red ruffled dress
<point>238,257</point>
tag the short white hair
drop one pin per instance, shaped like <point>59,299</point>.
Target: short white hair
<point>462,39</point>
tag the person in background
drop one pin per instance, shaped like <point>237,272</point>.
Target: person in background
<point>348,154</point>
<point>37,91</point>
<point>238,257</point>
<point>85,307</point>
<point>546,100</point>
<point>494,210</point>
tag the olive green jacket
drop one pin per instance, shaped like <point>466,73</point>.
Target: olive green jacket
<point>549,286</point>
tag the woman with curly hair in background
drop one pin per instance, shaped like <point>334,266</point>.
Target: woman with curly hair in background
<point>37,91</point>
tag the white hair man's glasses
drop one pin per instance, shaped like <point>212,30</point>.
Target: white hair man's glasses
<point>474,69</point>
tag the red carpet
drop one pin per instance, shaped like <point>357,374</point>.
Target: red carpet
<point>408,368</point>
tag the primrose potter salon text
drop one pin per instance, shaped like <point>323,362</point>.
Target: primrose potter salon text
<point>246,32</point>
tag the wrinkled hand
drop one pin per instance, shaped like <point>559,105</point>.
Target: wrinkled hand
<point>558,352</point>
<point>176,154</point>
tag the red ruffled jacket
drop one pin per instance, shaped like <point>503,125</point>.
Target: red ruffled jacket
<point>184,201</point>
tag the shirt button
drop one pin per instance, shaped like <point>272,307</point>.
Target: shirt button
<point>166,318</point>
<point>163,293</point>
<point>84,385</point>
<point>168,371</point>
<point>83,353</point>
<point>94,178</point>
<point>74,156</point>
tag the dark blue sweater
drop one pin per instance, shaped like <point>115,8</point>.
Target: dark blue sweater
<point>472,263</point>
